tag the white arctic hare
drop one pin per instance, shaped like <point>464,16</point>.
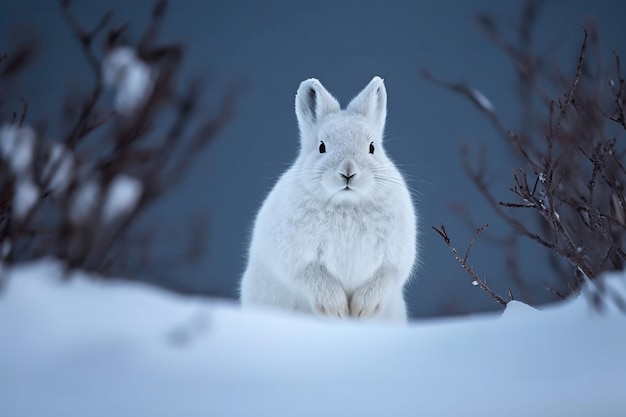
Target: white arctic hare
<point>336,236</point>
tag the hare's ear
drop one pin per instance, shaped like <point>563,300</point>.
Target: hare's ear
<point>313,103</point>
<point>371,103</point>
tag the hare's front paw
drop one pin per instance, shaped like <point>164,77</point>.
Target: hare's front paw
<point>332,303</point>
<point>365,301</point>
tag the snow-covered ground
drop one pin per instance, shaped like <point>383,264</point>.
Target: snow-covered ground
<point>92,348</point>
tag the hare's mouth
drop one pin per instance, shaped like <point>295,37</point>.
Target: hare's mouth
<point>346,195</point>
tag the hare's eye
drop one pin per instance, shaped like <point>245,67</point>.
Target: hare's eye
<point>372,148</point>
<point>322,147</point>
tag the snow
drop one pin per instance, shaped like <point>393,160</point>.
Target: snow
<point>132,79</point>
<point>84,347</point>
<point>481,100</point>
<point>58,170</point>
<point>84,201</point>
<point>26,195</point>
<point>5,248</point>
<point>515,307</point>
<point>122,197</point>
<point>16,146</point>
<point>8,137</point>
<point>542,178</point>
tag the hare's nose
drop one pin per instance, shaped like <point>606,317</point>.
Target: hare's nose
<point>348,176</point>
<point>348,170</point>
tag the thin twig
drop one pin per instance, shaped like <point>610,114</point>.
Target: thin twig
<point>471,244</point>
<point>463,261</point>
<point>570,94</point>
<point>85,39</point>
<point>24,111</point>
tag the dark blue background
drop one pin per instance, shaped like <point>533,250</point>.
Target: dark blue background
<point>273,46</point>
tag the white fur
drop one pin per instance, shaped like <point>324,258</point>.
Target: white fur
<point>320,248</point>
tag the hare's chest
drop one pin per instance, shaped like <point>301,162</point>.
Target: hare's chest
<point>351,245</point>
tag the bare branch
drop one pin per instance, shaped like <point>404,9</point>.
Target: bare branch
<point>463,261</point>
<point>85,39</point>
<point>565,106</point>
<point>24,111</point>
<point>471,244</point>
<point>575,211</point>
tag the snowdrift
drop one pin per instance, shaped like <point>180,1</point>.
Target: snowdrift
<point>83,347</point>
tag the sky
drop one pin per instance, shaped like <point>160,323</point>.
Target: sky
<point>275,45</point>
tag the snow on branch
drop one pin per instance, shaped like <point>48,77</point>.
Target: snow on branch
<point>58,200</point>
<point>130,77</point>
